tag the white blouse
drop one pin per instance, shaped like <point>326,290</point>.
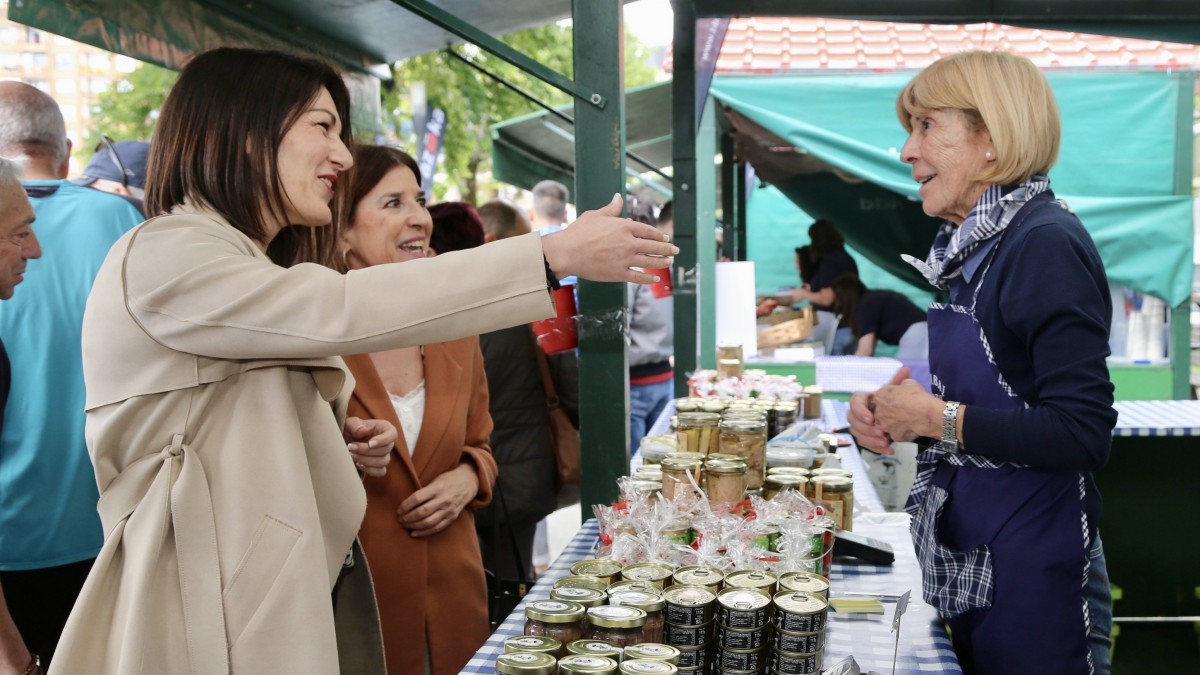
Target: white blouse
<point>410,408</point>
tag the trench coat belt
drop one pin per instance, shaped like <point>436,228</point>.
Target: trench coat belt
<point>194,527</point>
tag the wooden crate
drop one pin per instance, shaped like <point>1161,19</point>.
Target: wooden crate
<point>781,315</point>
<point>784,333</point>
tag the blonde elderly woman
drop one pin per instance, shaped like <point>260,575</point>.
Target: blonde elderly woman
<point>1005,509</point>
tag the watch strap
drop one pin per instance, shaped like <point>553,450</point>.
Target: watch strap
<point>950,427</point>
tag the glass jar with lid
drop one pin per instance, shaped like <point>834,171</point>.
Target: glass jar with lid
<point>837,493</point>
<point>686,405</point>
<point>618,625</point>
<point>653,652</point>
<point>525,663</point>
<point>588,597</point>
<point>594,648</point>
<point>730,360</point>
<point>532,643</point>
<point>649,602</point>
<point>675,471</point>
<point>746,438</point>
<point>789,453</point>
<point>559,619</point>
<point>603,568</point>
<point>696,432</point>
<point>778,482</point>
<point>584,664</point>
<point>726,482</point>
<point>647,667</point>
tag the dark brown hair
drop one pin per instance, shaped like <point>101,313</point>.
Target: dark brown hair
<point>456,227</point>
<point>848,291</point>
<point>825,238</point>
<point>371,164</point>
<point>218,137</point>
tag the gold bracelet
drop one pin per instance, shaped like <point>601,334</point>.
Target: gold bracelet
<point>35,665</point>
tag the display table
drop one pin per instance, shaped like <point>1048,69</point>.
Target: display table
<point>1157,418</point>
<point>924,644</point>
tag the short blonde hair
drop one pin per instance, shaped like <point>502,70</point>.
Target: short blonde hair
<point>1002,94</point>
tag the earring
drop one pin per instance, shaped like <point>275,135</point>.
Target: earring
<point>345,258</point>
<point>988,154</point>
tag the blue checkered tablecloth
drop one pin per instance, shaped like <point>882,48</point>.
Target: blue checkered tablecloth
<point>1157,418</point>
<point>924,644</point>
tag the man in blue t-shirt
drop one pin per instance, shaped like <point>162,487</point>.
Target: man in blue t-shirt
<point>49,528</point>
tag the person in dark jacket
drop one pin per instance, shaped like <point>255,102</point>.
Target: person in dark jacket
<point>881,316</point>
<point>828,250</point>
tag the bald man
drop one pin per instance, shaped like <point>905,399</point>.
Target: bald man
<point>49,529</point>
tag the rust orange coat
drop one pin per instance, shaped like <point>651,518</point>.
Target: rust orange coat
<point>429,588</point>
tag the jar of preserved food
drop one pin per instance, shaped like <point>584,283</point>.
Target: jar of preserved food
<point>676,472</point>
<point>714,405</point>
<point>730,360</point>
<point>525,663</point>
<point>746,438</point>
<point>559,619</point>
<point>789,454</point>
<point>837,493</point>
<point>830,471</point>
<point>588,597</point>
<point>652,651</point>
<point>785,413</point>
<point>812,405</point>
<point>618,625</point>
<point>685,405</point>
<point>649,602</point>
<point>539,644</point>
<point>594,648</point>
<point>648,472</point>
<point>647,667</point>
<point>696,432</point>
<point>778,482</point>
<point>726,481</point>
<point>583,664</point>
<point>647,489</point>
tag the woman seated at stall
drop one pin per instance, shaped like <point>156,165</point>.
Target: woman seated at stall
<point>876,316</point>
<point>418,533</point>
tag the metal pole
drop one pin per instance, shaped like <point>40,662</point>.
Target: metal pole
<point>683,117</point>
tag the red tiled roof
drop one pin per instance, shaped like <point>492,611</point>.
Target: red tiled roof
<point>780,44</point>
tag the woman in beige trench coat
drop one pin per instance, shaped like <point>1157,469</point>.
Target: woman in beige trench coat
<point>216,397</point>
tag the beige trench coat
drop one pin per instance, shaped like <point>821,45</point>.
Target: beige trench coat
<point>214,419</point>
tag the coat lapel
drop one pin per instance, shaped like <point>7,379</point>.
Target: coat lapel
<point>443,386</point>
<point>373,396</point>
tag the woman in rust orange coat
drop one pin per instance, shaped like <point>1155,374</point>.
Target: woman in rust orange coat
<point>418,532</point>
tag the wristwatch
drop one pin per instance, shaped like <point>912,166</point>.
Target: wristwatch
<point>950,427</point>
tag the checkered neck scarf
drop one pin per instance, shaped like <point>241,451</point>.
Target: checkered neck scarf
<point>992,213</point>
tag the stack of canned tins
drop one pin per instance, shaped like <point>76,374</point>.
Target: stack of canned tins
<point>651,619</point>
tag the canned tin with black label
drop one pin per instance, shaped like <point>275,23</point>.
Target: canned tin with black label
<point>732,638</point>
<point>736,659</point>
<point>699,575</point>
<point>804,582</point>
<point>786,663</point>
<point>653,573</point>
<point>762,581</point>
<point>608,570</point>
<point>693,658</point>
<point>743,608</point>
<point>689,605</point>
<point>687,636</point>
<point>799,612</point>
<point>727,671</point>
<point>798,643</point>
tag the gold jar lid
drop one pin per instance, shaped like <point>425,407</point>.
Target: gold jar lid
<point>687,455</point>
<point>726,455</point>
<point>798,602</point>
<point>696,419</point>
<point>616,616</point>
<point>554,611</point>
<point>676,463</point>
<point>698,575</point>
<point>785,480</point>
<point>830,471</point>
<point>689,596</point>
<point>588,597</point>
<point>785,406</point>
<point>525,663</point>
<point>744,414</point>
<point>647,601</point>
<point>714,405</point>
<point>803,581</point>
<point>647,667</point>
<point>836,484</point>
<point>744,425</point>
<point>583,664</point>
<point>653,651</point>
<point>686,405</point>
<point>597,567</point>
<point>724,466</point>
<point>751,578</point>
<point>646,487</point>
<point>582,581</point>
<point>594,648</point>
<point>631,585</point>
<point>539,644</point>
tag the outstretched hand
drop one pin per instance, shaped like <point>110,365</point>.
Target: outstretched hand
<point>602,246</point>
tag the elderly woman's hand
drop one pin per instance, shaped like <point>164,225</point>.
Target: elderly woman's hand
<point>370,443</point>
<point>432,508</point>
<point>602,246</point>
<point>906,411</point>
<point>863,424</point>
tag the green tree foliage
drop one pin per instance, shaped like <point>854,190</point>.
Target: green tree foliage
<point>473,102</point>
<point>129,109</point>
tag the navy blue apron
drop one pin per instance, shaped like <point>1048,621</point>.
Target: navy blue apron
<point>1003,548</point>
